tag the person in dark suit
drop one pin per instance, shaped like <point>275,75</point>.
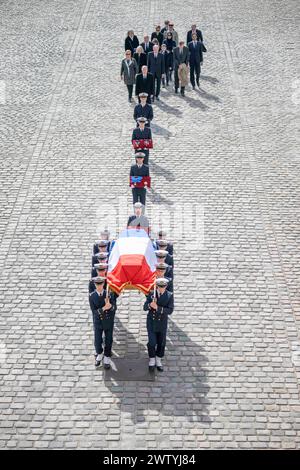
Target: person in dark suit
<point>181,56</point>
<point>147,45</point>
<point>140,57</point>
<point>139,169</point>
<point>159,305</point>
<point>131,41</point>
<point>195,59</point>
<point>157,34</point>
<point>143,109</point>
<point>144,82</point>
<point>156,66</point>
<point>138,220</point>
<point>191,32</point>
<point>142,132</point>
<point>103,308</point>
<point>128,72</point>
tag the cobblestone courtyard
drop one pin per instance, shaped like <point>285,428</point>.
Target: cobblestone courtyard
<point>227,151</point>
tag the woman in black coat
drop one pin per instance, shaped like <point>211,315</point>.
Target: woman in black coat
<point>169,60</point>
<point>140,58</point>
<point>131,42</point>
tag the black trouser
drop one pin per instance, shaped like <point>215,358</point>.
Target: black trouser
<point>157,81</point>
<point>130,90</point>
<point>146,152</point>
<point>139,195</point>
<point>99,330</point>
<point>156,339</point>
<point>194,69</point>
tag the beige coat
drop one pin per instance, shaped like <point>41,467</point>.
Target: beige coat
<point>183,74</point>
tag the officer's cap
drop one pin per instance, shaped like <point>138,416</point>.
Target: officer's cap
<point>161,253</point>
<point>162,282</point>
<point>143,95</point>
<point>162,266</point>
<point>105,232</point>
<point>98,280</point>
<point>101,266</point>
<point>139,155</point>
<point>138,205</point>
<point>142,119</point>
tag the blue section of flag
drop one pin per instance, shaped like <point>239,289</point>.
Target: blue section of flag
<point>136,179</point>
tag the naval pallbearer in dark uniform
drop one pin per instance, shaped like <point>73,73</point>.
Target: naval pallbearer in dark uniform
<point>141,134</point>
<point>159,304</point>
<point>143,109</point>
<point>103,307</point>
<point>139,169</point>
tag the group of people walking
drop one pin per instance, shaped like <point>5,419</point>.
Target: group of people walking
<point>153,62</point>
<point>145,65</point>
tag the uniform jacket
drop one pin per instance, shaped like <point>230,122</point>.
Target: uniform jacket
<point>189,35</point>
<point>143,111</point>
<point>142,171</point>
<point>147,49</point>
<point>138,134</point>
<point>129,72</point>
<point>165,303</point>
<point>156,65</point>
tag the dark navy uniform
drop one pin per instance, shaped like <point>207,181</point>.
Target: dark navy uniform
<point>103,321</point>
<point>139,194</point>
<point>168,248</point>
<point>96,258</point>
<point>157,322</point>
<point>94,273</point>
<point>96,247</point>
<point>143,111</point>
<point>139,134</point>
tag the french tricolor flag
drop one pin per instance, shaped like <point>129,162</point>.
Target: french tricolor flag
<point>131,263</point>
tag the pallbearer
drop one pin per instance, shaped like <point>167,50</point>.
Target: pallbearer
<point>103,306</point>
<point>161,235</point>
<point>160,305</point>
<point>164,257</point>
<point>104,235</point>
<point>142,138</point>
<point>99,269</point>
<point>101,257</point>
<point>166,271</point>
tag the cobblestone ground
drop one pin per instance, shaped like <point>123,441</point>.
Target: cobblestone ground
<point>232,367</point>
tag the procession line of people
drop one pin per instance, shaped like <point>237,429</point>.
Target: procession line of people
<point>145,65</point>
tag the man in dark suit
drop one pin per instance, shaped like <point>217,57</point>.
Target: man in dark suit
<point>147,45</point>
<point>139,169</point>
<point>143,109</point>
<point>191,32</point>
<point>195,59</point>
<point>156,66</point>
<point>159,304</point>
<point>158,35</point>
<point>144,83</point>
<point>181,56</point>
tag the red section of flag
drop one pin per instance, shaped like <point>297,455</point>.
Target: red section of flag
<point>131,272</point>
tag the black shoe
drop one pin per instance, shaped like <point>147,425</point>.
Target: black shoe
<point>106,366</point>
<point>157,97</point>
<point>198,85</point>
<point>159,368</point>
<point>151,368</point>
<point>97,361</point>
<point>182,93</point>
<point>194,87</point>
<point>176,90</point>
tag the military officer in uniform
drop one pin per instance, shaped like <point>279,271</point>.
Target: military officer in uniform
<point>139,169</point>
<point>103,307</point>
<point>99,269</point>
<point>104,235</point>
<point>167,245</point>
<point>142,132</point>
<point>164,257</point>
<point>143,109</point>
<point>102,247</point>
<point>166,271</point>
<point>101,257</point>
<point>159,305</point>
<point>138,220</point>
